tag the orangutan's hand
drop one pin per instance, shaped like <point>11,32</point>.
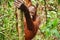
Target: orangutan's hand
<point>18,3</point>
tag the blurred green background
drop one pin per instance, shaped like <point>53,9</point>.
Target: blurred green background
<point>49,11</point>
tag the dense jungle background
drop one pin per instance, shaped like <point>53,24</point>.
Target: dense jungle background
<point>49,29</point>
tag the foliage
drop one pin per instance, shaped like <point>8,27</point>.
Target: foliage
<point>58,1</point>
<point>7,22</point>
<point>8,31</point>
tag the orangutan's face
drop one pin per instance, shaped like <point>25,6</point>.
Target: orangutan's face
<point>32,11</point>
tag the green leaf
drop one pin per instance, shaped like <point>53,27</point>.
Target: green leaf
<point>58,1</point>
<point>47,33</point>
<point>55,32</point>
<point>55,22</point>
